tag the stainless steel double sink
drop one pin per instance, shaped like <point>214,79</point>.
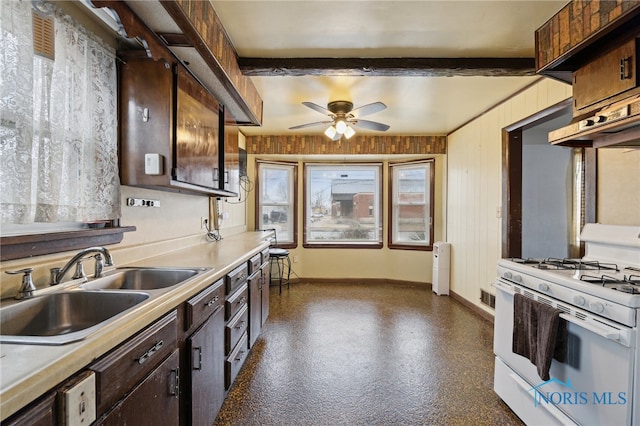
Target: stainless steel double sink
<point>77,311</point>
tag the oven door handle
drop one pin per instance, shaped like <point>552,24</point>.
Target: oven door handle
<point>600,331</point>
<point>552,409</point>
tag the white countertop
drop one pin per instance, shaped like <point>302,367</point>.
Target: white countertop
<point>28,371</point>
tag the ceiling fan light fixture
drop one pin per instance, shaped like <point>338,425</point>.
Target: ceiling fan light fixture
<point>341,126</point>
<point>349,132</point>
<point>330,132</point>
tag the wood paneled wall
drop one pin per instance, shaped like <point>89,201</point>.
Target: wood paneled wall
<point>575,23</point>
<point>474,192</point>
<point>315,144</point>
<point>206,22</point>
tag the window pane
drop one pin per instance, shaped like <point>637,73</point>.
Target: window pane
<point>276,209</point>
<point>411,221</point>
<point>343,204</point>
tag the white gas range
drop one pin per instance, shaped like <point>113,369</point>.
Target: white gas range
<point>598,299</point>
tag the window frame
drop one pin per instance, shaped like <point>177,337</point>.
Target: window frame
<point>380,207</point>
<point>293,243</point>
<point>392,205</point>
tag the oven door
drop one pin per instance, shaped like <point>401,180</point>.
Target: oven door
<point>592,387</point>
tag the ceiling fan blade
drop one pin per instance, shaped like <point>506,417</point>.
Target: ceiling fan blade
<point>304,126</point>
<point>336,137</point>
<point>318,108</point>
<point>368,109</point>
<point>371,125</point>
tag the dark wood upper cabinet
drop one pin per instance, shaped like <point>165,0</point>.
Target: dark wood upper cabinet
<point>172,131</point>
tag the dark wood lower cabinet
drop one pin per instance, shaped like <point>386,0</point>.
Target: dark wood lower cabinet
<point>206,349</point>
<point>155,401</point>
<point>264,289</point>
<point>40,413</point>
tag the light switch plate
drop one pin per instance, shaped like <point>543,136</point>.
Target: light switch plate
<point>78,401</point>
<point>152,164</point>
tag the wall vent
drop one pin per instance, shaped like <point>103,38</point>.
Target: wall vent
<point>488,298</point>
<point>43,35</point>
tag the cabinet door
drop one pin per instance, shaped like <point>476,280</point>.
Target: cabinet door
<point>255,308</point>
<point>40,413</point>
<point>607,76</point>
<point>207,359</point>
<point>153,402</point>
<point>264,288</point>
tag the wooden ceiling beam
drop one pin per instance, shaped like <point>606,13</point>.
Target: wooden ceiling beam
<point>388,67</point>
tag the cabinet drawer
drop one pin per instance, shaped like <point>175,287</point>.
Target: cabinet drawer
<point>609,75</point>
<point>234,361</point>
<point>201,306</point>
<point>235,328</point>
<point>236,278</point>
<point>254,263</point>
<point>265,255</point>
<point>120,370</point>
<point>155,401</point>
<point>236,301</point>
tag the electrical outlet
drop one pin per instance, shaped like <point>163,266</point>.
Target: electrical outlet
<point>203,222</point>
<point>295,259</point>
<point>79,401</point>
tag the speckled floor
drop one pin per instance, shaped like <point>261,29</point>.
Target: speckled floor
<point>333,354</point>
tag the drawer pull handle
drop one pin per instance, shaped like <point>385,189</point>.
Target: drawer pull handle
<point>145,356</point>
<point>212,301</point>
<point>240,354</point>
<point>240,325</point>
<point>197,358</point>
<point>242,300</point>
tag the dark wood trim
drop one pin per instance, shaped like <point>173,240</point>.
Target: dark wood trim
<point>512,193</point>
<point>427,286</point>
<point>364,245</point>
<point>363,281</point>
<point>432,174</point>
<point>294,213</point>
<point>472,307</point>
<point>23,246</point>
<point>512,175</point>
<point>388,67</point>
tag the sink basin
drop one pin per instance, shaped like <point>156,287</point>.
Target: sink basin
<point>65,317</point>
<point>142,278</point>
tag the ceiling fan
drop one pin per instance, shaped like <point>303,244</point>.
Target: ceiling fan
<point>344,118</point>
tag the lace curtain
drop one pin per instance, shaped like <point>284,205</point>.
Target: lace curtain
<point>58,123</point>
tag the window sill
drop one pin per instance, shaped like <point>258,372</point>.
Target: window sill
<point>22,246</point>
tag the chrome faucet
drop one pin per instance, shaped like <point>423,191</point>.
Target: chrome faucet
<point>57,274</point>
<point>27,287</point>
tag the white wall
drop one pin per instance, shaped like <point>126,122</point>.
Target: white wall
<point>474,190</point>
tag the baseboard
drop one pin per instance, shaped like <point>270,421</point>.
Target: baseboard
<point>472,307</point>
<point>362,281</point>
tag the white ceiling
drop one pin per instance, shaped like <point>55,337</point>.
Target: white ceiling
<point>383,29</point>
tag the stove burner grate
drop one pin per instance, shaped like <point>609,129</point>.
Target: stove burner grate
<point>627,284</point>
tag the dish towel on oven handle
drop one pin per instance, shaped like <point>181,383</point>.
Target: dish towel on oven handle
<point>538,333</point>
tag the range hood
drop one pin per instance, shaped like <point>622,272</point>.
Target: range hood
<point>614,126</point>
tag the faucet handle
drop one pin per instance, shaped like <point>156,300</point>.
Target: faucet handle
<point>27,287</point>
<point>79,271</point>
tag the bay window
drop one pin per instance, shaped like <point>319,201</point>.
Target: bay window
<point>343,205</point>
<point>411,205</point>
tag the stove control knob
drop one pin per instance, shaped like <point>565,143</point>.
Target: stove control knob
<point>598,307</point>
<point>517,278</point>
<point>579,300</point>
<point>508,275</point>
<point>543,287</point>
